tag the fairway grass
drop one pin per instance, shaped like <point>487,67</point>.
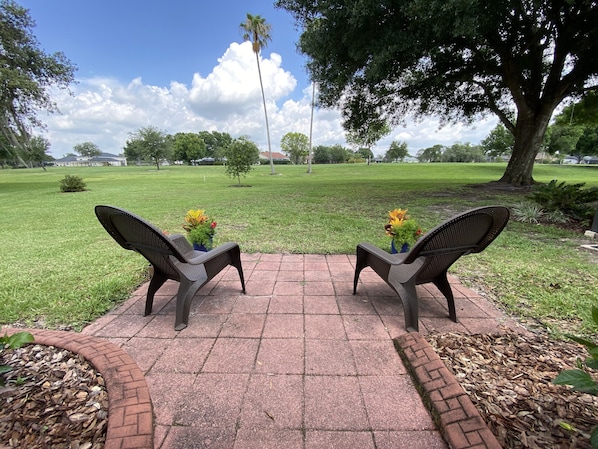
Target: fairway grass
<point>60,269</point>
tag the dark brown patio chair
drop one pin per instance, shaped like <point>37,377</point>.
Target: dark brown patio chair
<point>431,257</point>
<point>171,256</point>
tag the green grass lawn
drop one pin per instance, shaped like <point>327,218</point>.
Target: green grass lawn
<point>60,268</point>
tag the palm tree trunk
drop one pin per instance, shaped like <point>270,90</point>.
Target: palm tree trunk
<point>259,70</point>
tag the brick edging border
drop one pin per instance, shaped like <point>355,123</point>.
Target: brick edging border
<point>130,415</point>
<point>455,415</point>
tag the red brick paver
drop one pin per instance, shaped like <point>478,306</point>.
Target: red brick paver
<point>458,419</point>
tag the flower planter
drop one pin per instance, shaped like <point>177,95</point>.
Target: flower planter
<point>203,246</point>
<point>393,248</point>
<point>200,247</point>
<point>200,228</point>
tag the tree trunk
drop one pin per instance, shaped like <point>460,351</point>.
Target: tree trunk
<point>529,134</point>
<point>259,71</point>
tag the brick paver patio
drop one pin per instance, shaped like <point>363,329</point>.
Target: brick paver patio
<point>297,362</point>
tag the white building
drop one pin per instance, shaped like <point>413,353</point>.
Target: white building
<point>103,160</point>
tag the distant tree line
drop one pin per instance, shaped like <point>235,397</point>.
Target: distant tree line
<point>458,152</point>
<point>572,133</point>
<point>575,130</point>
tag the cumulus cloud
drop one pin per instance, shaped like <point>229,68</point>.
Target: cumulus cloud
<point>233,87</point>
<point>106,111</point>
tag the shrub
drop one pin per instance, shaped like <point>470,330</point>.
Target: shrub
<point>527,212</point>
<point>530,212</point>
<point>72,183</point>
<point>556,216</point>
<point>571,199</point>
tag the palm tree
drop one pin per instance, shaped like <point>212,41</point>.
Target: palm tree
<point>257,31</point>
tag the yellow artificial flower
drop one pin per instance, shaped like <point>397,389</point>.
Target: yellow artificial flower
<point>397,221</point>
<point>195,217</point>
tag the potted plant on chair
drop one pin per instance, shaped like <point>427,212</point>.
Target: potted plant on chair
<point>200,229</point>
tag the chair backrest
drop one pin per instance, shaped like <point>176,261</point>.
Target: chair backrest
<point>134,233</point>
<point>469,232</point>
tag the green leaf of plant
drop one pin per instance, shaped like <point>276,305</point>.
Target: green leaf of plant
<point>19,339</point>
<point>594,438</point>
<point>592,363</point>
<point>595,314</point>
<point>5,369</point>
<point>583,341</point>
<point>593,352</point>
<point>578,379</point>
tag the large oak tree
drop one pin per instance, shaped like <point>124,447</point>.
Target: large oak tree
<point>26,76</point>
<point>380,60</point>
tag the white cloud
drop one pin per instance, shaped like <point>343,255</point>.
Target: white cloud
<point>233,87</point>
<point>105,111</point>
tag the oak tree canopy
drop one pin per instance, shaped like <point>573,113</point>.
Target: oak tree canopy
<point>382,60</point>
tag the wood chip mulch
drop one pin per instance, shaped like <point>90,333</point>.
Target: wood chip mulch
<point>509,379</point>
<point>52,399</point>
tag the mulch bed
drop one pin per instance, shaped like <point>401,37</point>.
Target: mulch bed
<point>509,379</point>
<point>52,399</point>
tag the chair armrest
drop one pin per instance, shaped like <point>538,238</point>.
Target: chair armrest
<point>390,259</point>
<point>200,257</point>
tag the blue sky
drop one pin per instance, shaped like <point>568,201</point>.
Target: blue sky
<point>156,40</point>
<point>181,66</point>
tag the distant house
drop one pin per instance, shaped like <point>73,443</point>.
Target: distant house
<point>104,159</point>
<point>277,158</point>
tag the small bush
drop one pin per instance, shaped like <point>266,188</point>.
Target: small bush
<point>527,212</point>
<point>570,199</point>
<point>556,216</point>
<point>72,183</point>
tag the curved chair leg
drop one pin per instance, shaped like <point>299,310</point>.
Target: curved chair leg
<point>360,264</point>
<point>442,283</point>
<point>408,295</point>
<point>240,270</point>
<point>157,281</point>
<point>356,279</point>
<point>187,291</point>
<point>236,262</point>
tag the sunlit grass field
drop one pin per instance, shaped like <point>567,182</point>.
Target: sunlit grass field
<point>59,268</point>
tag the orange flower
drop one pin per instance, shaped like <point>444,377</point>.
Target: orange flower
<point>398,214</point>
